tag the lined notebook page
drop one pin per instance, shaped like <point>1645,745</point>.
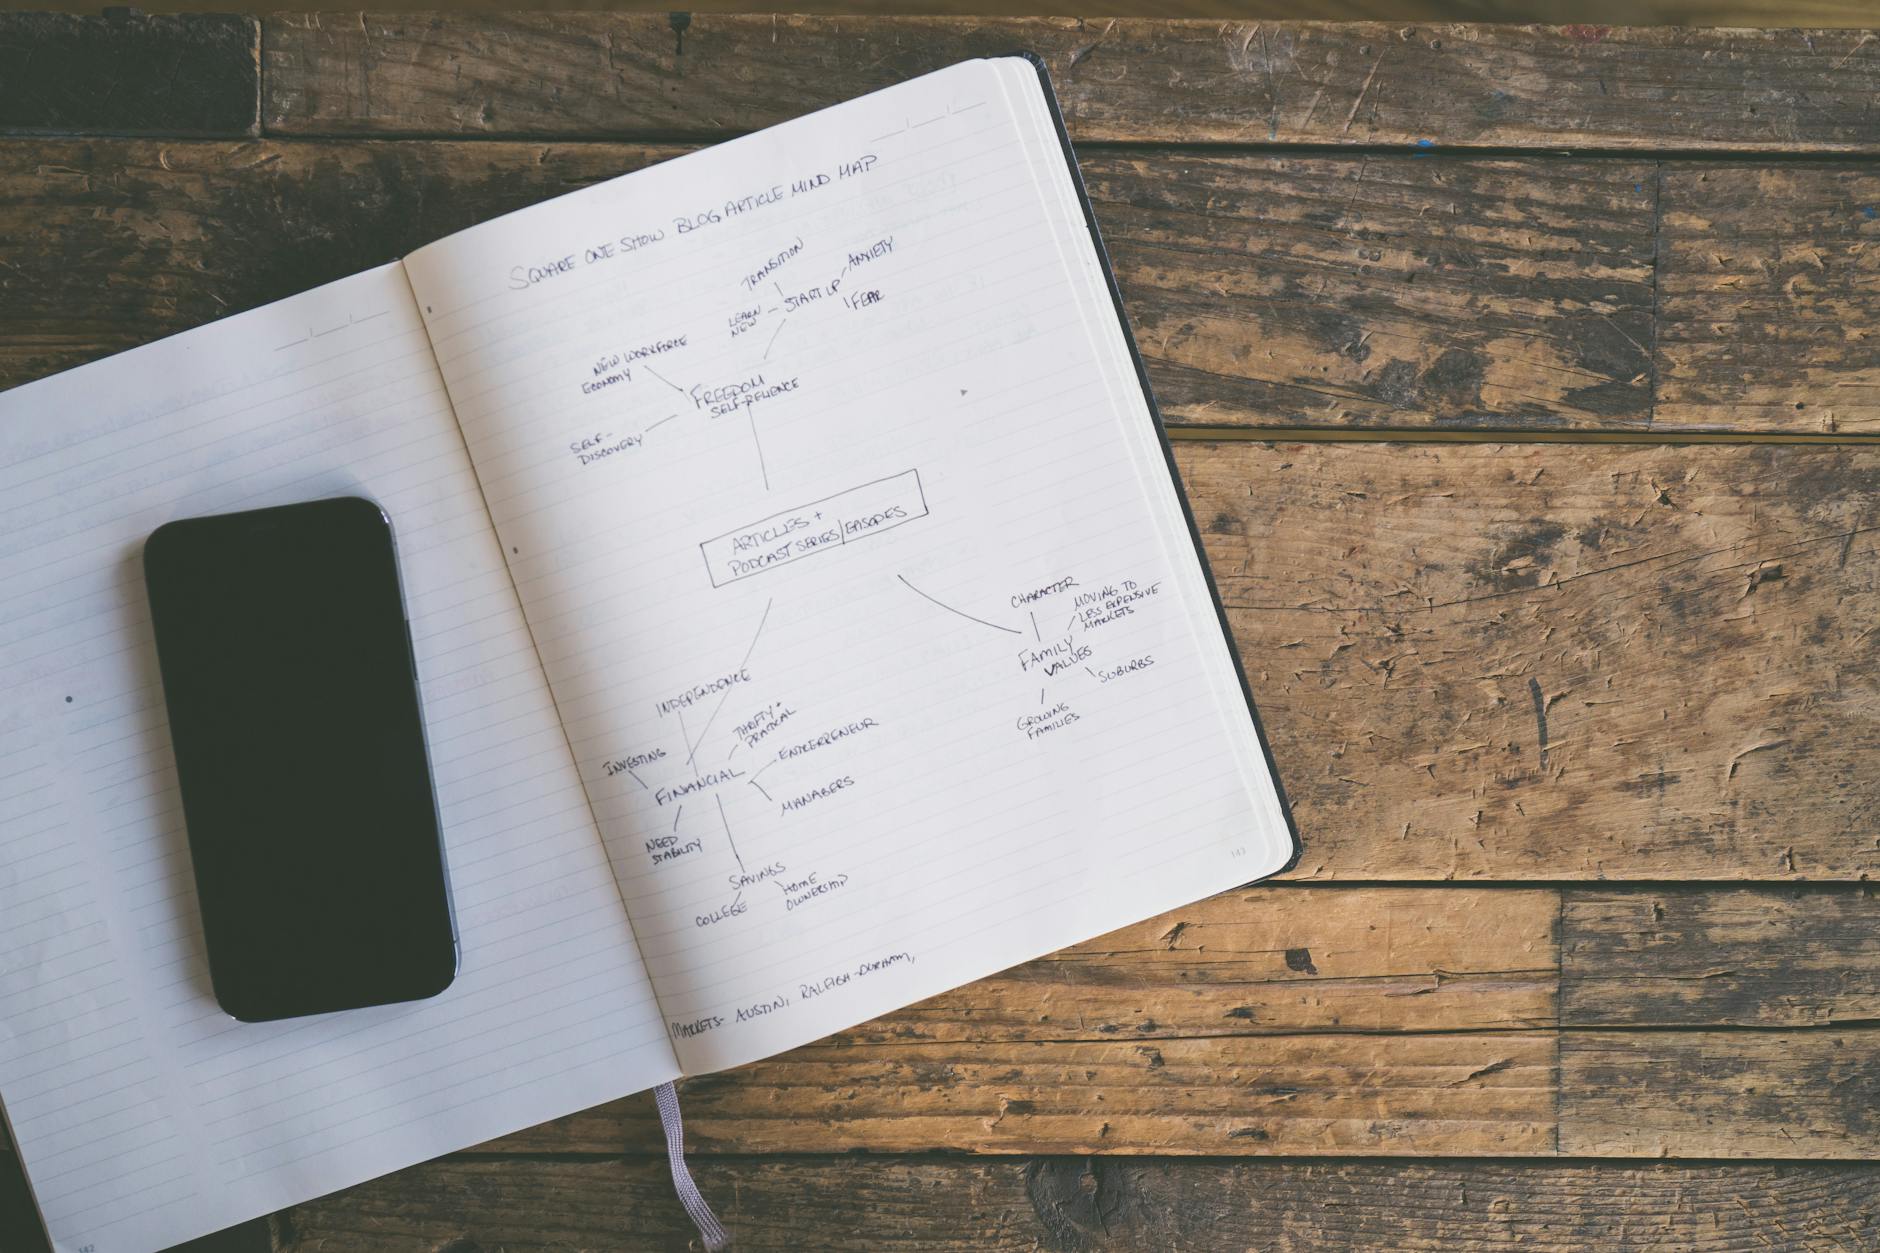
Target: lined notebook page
<point>144,1114</point>
<point>847,546</point>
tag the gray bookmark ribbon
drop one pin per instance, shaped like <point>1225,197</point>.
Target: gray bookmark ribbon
<point>666,1097</point>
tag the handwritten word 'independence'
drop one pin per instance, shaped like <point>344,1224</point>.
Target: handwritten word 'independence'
<point>524,276</point>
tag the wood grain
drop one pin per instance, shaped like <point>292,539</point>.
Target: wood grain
<point>1264,961</point>
<point>125,74</point>
<point>1134,1050</point>
<point>1499,1094</point>
<point>1558,661</point>
<point>1697,623</point>
<point>1386,291</point>
<point>1721,1094</point>
<point>1668,956</point>
<point>1135,80</point>
<point>1550,664</point>
<point>1769,298</point>
<point>1005,1061</point>
<point>1491,1094</point>
<point>1074,1204</point>
<point>1379,292</point>
<point>107,244</point>
<point>1288,959</point>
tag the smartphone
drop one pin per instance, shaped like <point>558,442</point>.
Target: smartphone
<point>301,763</point>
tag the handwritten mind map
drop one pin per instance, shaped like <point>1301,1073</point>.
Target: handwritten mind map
<point>738,770</point>
<point>826,501</point>
<point>732,380</point>
<point>814,278</point>
<point>745,752</point>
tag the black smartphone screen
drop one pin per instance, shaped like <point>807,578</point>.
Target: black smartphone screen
<point>306,788</point>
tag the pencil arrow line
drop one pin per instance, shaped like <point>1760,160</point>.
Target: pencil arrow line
<point>961,612</point>
<point>728,839</point>
<point>668,382</point>
<point>692,747</point>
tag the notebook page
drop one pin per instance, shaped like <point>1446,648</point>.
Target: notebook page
<point>1057,184</point>
<point>879,662</point>
<point>143,1114</point>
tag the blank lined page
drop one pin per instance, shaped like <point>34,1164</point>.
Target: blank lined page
<point>843,532</point>
<point>143,1113</point>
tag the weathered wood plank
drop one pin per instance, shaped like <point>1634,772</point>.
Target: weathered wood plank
<point>642,75</point>
<point>529,1206</point>
<point>1133,990</point>
<point>1270,960</point>
<point>1665,956</point>
<point>1769,298</point>
<point>1266,290</point>
<point>1386,291</point>
<point>1129,1055</point>
<point>1720,1094</point>
<point>1613,1093</point>
<point>108,244</point>
<point>1697,623</point>
<point>1557,661</point>
<point>1491,1094</point>
<point>1383,292</point>
<point>1300,958</point>
<point>124,74</point>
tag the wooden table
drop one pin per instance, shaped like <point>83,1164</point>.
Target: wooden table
<point>1527,385</point>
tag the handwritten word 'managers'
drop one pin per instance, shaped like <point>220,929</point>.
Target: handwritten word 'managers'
<point>816,794</point>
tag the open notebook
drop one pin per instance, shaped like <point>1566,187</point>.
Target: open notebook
<point>807,622</point>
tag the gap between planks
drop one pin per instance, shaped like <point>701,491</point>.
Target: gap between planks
<point>1506,435</point>
<point>654,138</point>
<point>733,1157</point>
<point>809,1157</point>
